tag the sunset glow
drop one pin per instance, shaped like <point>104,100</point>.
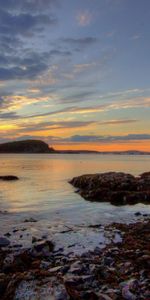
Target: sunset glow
<point>77,75</point>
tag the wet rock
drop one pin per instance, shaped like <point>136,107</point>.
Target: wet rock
<point>45,265</point>
<point>8,234</point>
<point>34,239</point>
<point>137,214</point>
<point>61,293</point>
<point>116,272</point>
<point>9,178</point>
<point>43,249</point>
<point>145,175</point>
<point>55,269</point>
<point>3,212</point>
<point>76,293</point>
<point>129,288</point>
<point>95,226</point>
<point>77,268</point>
<point>4,242</point>
<point>103,297</point>
<point>32,220</point>
<point>115,187</point>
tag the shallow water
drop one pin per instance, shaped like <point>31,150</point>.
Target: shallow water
<point>43,191</point>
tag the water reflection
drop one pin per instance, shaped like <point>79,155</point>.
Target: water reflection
<point>43,186</point>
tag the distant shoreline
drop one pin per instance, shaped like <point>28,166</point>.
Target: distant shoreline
<point>40,147</point>
<point>73,152</point>
<point>101,152</point>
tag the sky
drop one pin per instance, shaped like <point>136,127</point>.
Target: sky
<point>76,73</point>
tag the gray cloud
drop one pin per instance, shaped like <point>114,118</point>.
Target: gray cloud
<point>110,138</point>
<point>23,23</point>
<point>19,73</point>
<point>79,139</point>
<point>9,115</point>
<point>53,126</point>
<point>81,42</point>
<point>28,5</point>
<point>21,20</point>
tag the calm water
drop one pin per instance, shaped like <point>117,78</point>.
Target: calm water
<point>43,193</point>
<point>43,188</point>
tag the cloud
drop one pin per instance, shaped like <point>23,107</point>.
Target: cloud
<point>28,5</point>
<point>45,126</point>
<point>81,42</point>
<point>79,139</point>
<point>9,115</point>
<point>136,37</point>
<point>104,139</point>
<point>10,104</point>
<point>118,122</point>
<point>23,23</point>
<point>27,66</point>
<point>83,67</point>
<point>84,18</point>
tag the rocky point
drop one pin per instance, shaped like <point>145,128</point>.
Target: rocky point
<point>115,187</point>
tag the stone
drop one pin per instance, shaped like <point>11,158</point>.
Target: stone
<point>43,249</point>
<point>103,297</point>
<point>129,288</point>
<point>138,214</point>
<point>4,242</point>
<point>8,234</point>
<point>55,269</point>
<point>30,220</point>
<point>8,177</point>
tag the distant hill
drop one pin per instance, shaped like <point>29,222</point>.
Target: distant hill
<point>128,152</point>
<point>76,152</point>
<point>26,146</point>
<point>37,146</point>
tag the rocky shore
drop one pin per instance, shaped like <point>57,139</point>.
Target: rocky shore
<point>119,271</point>
<point>115,187</point>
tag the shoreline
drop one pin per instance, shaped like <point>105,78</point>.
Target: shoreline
<point>77,261</point>
<point>111,272</point>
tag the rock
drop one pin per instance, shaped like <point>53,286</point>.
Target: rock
<point>34,239</point>
<point>138,214</point>
<point>4,242</point>
<point>95,226</point>
<point>129,288</point>
<point>103,297</point>
<point>8,234</point>
<point>30,220</point>
<point>9,178</point>
<point>104,274</point>
<point>145,175</point>
<point>43,249</point>
<point>115,187</point>
<point>55,269</point>
<point>74,291</point>
<point>60,293</point>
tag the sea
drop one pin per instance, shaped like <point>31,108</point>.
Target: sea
<point>43,203</point>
